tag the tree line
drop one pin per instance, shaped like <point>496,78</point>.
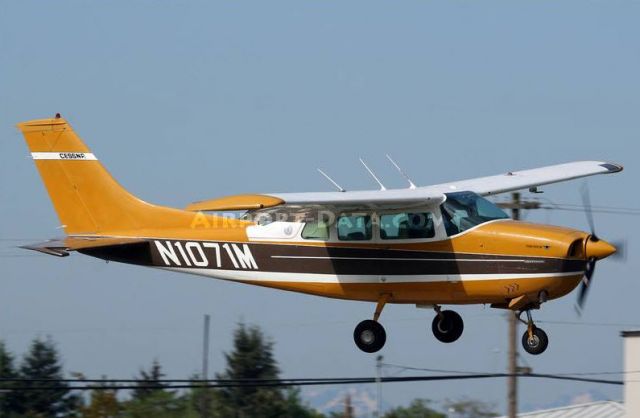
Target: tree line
<point>251,358</point>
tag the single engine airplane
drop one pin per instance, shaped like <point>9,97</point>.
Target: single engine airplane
<point>429,246</point>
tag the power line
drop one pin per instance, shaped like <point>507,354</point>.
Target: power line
<point>591,324</point>
<point>580,206</point>
<point>212,384</point>
<point>472,372</point>
<point>319,380</point>
<point>429,370</point>
<point>548,204</point>
<point>598,373</point>
<point>608,211</point>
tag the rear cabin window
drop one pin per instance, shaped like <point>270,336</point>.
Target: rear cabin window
<point>407,226</point>
<point>354,228</point>
<point>316,230</point>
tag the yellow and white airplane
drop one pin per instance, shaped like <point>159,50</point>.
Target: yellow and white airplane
<point>428,246</point>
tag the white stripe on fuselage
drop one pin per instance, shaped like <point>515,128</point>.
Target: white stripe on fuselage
<point>490,260</point>
<point>268,276</point>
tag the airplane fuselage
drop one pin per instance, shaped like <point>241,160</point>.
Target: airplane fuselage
<point>490,264</point>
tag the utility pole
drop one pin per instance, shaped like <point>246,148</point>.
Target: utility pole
<point>379,386</point>
<point>512,389</point>
<point>348,408</point>
<point>204,405</point>
<point>516,205</point>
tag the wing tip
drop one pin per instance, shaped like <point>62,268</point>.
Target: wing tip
<point>612,167</point>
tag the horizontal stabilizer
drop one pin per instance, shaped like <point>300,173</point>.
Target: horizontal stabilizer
<point>61,247</point>
<point>236,202</point>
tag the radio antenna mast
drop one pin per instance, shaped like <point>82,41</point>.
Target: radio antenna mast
<point>337,186</point>
<point>402,173</point>
<point>373,175</point>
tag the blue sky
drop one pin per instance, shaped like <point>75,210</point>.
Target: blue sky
<point>190,100</point>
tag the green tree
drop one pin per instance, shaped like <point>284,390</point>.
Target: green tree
<point>149,378</point>
<point>251,359</point>
<point>157,404</point>
<point>151,399</point>
<point>42,361</point>
<point>470,408</point>
<point>103,403</point>
<point>8,401</point>
<point>295,407</point>
<point>201,400</point>
<point>419,408</point>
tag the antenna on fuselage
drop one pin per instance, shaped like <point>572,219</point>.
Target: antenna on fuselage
<point>373,175</point>
<point>337,186</point>
<point>402,173</point>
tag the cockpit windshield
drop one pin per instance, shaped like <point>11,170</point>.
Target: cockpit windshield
<point>464,210</point>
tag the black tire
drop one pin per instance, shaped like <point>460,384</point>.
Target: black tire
<point>448,326</point>
<point>369,336</point>
<point>537,344</point>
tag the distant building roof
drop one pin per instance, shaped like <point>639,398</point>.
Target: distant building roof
<point>602,409</point>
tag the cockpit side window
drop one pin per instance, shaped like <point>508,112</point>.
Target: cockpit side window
<point>464,210</point>
<point>354,228</point>
<point>407,226</point>
<point>317,229</point>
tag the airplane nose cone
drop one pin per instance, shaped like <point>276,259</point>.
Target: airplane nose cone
<point>599,249</point>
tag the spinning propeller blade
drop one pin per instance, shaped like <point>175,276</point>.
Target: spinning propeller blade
<point>591,263</point>
<point>586,204</point>
<point>586,281</point>
<point>595,249</point>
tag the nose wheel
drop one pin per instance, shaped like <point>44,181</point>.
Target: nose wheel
<point>447,326</point>
<point>534,339</point>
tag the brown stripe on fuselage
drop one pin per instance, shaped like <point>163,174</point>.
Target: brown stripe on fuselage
<point>339,260</point>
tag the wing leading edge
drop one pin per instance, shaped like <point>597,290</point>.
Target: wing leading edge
<point>519,180</point>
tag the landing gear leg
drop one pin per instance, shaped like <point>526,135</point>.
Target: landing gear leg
<point>447,326</point>
<point>534,339</point>
<point>369,335</point>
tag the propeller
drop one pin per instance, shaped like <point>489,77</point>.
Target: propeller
<point>591,263</point>
<point>620,253</point>
<point>586,281</point>
<point>586,204</point>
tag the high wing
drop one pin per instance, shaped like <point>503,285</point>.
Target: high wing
<point>411,197</point>
<point>61,247</point>
<point>518,180</point>
<point>502,183</point>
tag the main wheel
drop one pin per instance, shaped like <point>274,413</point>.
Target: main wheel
<point>447,326</point>
<point>537,343</point>
<point>369,336</point>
